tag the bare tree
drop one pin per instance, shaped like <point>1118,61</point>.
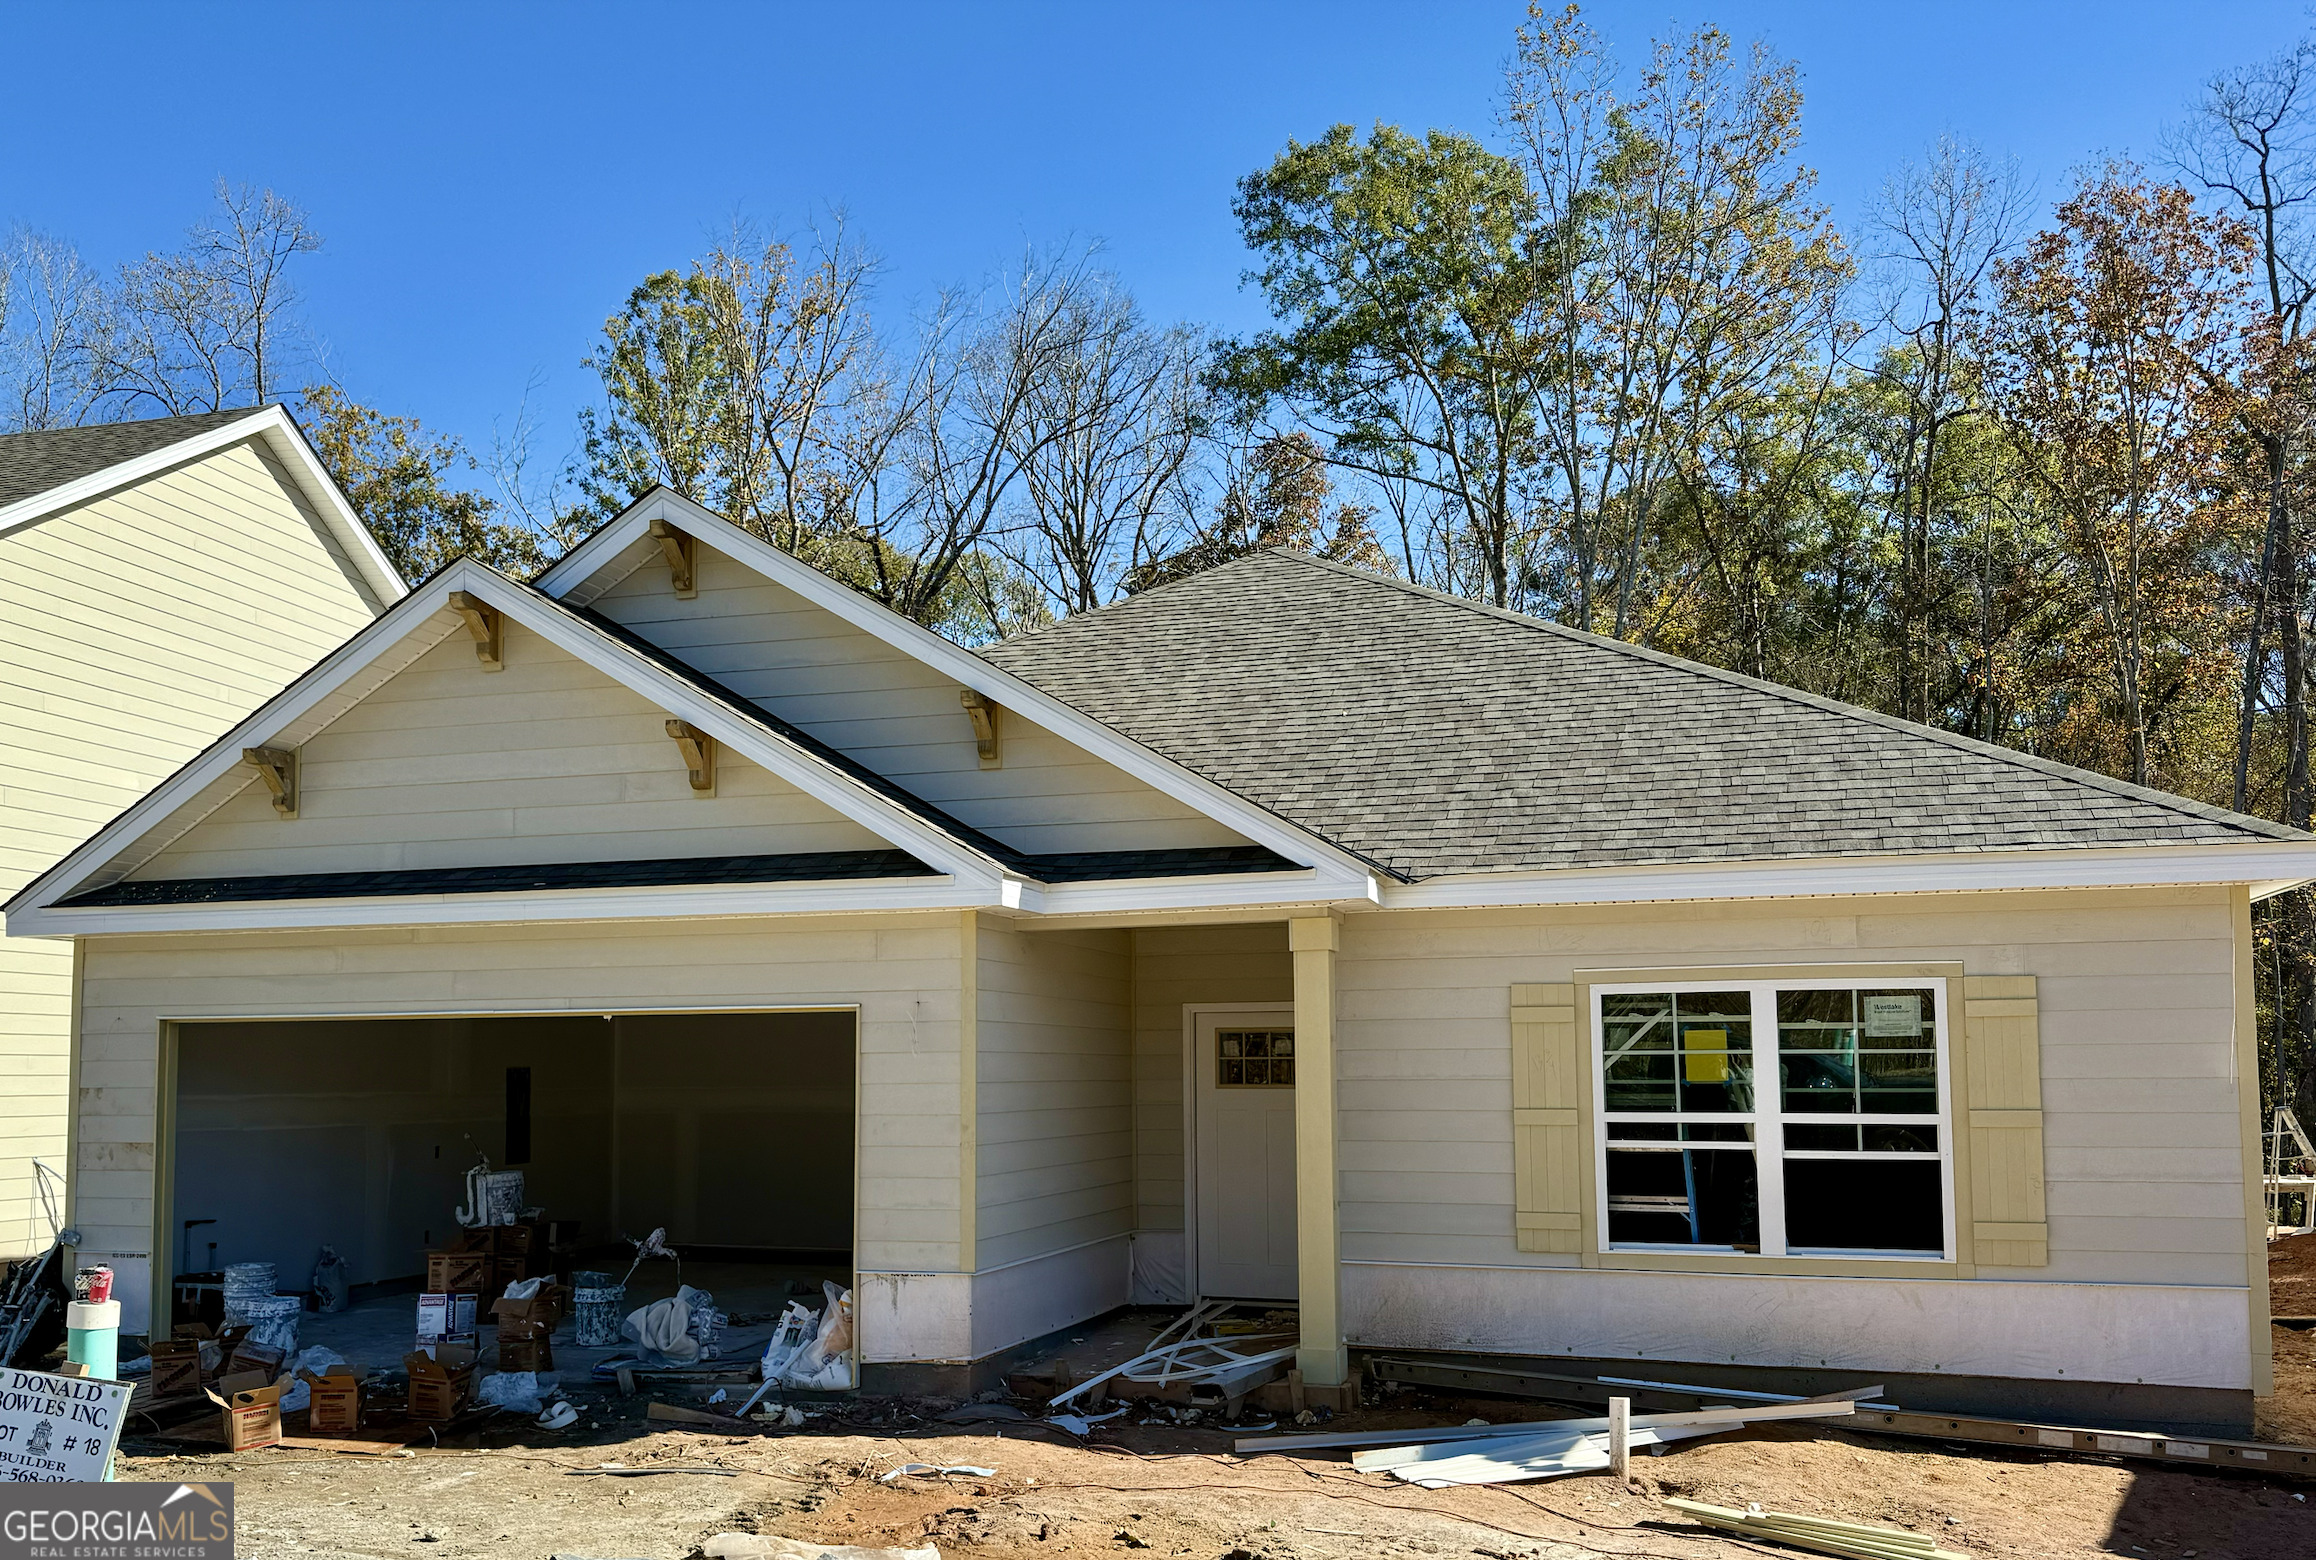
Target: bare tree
<point>54,320</point>
<point>211,325</point>
<point>1944,222</point>
<point>1104,445</point>
<point>961,425</point>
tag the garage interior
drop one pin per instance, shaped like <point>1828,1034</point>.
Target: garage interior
<point>734,1132</point>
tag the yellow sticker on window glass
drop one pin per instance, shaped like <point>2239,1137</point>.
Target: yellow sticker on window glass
<point>1706,1054</point>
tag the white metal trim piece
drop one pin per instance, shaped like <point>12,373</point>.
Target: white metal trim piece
<point>2272,865</point>
<point>1151,768</point>
<point>282,436</point>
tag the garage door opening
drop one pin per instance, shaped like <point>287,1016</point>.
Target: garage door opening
<point>734,1132</point>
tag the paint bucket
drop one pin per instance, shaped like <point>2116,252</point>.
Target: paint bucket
<point>92,1337</point>
<point>244,1282</point>
<point>273,1321</point>
<point>598,1306</point>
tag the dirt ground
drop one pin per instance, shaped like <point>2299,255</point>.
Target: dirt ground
<point>629,1490</point>
<point>621,1487</point>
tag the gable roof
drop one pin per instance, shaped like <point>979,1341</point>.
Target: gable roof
<point>620,546</point>
<point>49,472</point>
<point>33,463</point>
<point>1438,736</point>
<point>974,867</point>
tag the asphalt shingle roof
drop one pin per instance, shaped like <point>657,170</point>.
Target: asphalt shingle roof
<point>1434,735</point>
<point>32,463</point>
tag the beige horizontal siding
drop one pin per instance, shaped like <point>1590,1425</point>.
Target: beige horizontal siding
<point>901,971</point>
<point>897,715</point>
<point>1175,966</point>
<point>1054,1161</point>
<point>2144,1158</point>
<point>134,630</point>
<point>548,760</point>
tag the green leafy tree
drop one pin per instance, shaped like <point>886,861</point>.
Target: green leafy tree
<point>401,480</point>
<point>1402,273</point>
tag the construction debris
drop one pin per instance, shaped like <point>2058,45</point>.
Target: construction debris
<point>1199,1357</point>
<point>1819,1533</point>
<point>935,1471</point>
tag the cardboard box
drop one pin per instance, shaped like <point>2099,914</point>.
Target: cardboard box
<point>516,1240</point>
<point>509,1270</point>
<point>482,1238</point>
<point>252,1407</point>
<point>443,1317</point>
<point>176,1367</point>
<point>457,1272</point>
<point>441,1382</point>
<point>337,1401</point>
<point>526,1329</point>
<point>248,1356</point>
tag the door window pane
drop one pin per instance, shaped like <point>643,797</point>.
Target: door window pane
<point>1255,1058</point>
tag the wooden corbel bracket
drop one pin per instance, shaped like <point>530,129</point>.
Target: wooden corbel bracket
<point>482,621</point>
<point>983,713</point>
<point>278,768</point>
<point>699,751</point>
<point>682,553</point>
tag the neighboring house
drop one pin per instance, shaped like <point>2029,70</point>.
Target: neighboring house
<point>158,581</point>
<point>1288,933</point>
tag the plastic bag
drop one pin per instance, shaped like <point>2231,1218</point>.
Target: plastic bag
<point>333,1277</point>
<point>825,1364</point>
<point>316,1359</point>
<point>797,1328</point>
<point>523,1391</point>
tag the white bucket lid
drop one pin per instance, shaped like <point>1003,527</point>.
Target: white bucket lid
<point>93,1315</point>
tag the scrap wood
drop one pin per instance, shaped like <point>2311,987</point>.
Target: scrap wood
<point>1821,1533</point>
<point>670,1414</point>
<point>1218,1363</point>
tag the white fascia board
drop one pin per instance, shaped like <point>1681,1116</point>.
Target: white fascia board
<point>343,666</point>
<point>1131,896</point>
<point>1158,772</point>
<point>2271,866</point>
<point>679,901</point>
<point>280,432</point>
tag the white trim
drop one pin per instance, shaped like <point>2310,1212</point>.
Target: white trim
<point>1769,1118</point>
<point>288,444</point>
<point>969,670</point>
<point>1192,1012</point>
<point>808,773</point>
<point>1322,886</point>
<point>842,896</point>
<point>2271,865</point>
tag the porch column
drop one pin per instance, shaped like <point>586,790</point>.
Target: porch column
<point>1322,1357</point>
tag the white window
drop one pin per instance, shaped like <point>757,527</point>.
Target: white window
<point>1784,1118</point>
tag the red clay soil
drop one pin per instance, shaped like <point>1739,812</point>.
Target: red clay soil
<point>2292,1276</point>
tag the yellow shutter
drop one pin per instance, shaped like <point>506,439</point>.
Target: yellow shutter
<point>1547,1120</point>
<point>2003,1061</point>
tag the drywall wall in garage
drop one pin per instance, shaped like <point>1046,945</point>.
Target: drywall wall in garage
<point>358,1134</point>
<point>736,1129</point>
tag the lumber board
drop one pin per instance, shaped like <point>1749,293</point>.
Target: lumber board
<point>2156,1446</point>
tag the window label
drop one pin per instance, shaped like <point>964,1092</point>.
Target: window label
<point>1893,1016</point>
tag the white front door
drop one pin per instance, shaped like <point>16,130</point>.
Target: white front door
<point>1245,1089</point>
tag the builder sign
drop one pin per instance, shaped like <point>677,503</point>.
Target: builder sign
<point>58,1429</point>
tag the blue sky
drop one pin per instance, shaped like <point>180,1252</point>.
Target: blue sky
<point>491,179</point>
